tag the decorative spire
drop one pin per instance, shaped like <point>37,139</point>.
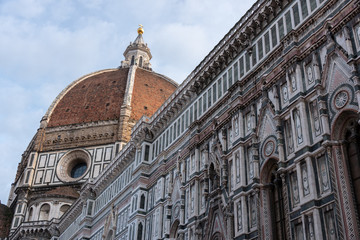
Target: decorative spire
<point>137,53</point>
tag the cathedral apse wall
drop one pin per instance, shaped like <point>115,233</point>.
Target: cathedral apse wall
<point>259,142</point>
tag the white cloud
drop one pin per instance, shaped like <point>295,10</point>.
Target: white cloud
<point>23,8</point>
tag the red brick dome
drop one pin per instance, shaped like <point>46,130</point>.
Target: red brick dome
<point>99,97</point>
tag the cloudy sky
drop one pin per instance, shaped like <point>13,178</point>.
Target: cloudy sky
<point>47,44</point>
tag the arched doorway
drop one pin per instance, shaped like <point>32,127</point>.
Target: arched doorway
<point>174,230</point>
<point>217,236</point>
<point>273,201</point>
<point>277,201</point>
<point>346,132</point>
<point>352,143</point>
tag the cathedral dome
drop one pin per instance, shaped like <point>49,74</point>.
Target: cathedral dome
<point>85,127</point>
<point>100,95</point>
<point>95,114</point>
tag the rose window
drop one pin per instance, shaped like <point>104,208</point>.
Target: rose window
<point>341,99</point>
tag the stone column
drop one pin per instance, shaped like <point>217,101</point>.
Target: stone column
<point>286,205</point>
<point>280,140</point>
<point>258,211</point>
<point>182,207</point>
<point>265,217</point>
<point>229,216</point>
<point>196,198</point>
<point>357,90</point>
<point>256,164</point>
<point>224,139</point>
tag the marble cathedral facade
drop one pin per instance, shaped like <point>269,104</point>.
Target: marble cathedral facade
<point>261,141</point>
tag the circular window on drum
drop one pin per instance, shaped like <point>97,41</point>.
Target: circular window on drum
<point>73,166</point>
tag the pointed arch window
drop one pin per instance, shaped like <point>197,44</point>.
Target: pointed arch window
<point>31,211</point>
<point>141,61</point>
<point>140,231</point>
<point>142,201</point>
<point>132,60</point>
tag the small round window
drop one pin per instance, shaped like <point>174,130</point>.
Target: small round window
<point>78,170</point>
<point>73,166</point>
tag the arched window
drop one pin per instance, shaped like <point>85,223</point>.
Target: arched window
<point>19,208</point>
<point>44,212</point>
<point>132,60</point>
<point>214,178</point>
<point>31,211</point>
<point>141,61</point>
<point>140,231</point>
<point>142,201</point>
<point>63,209</point>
